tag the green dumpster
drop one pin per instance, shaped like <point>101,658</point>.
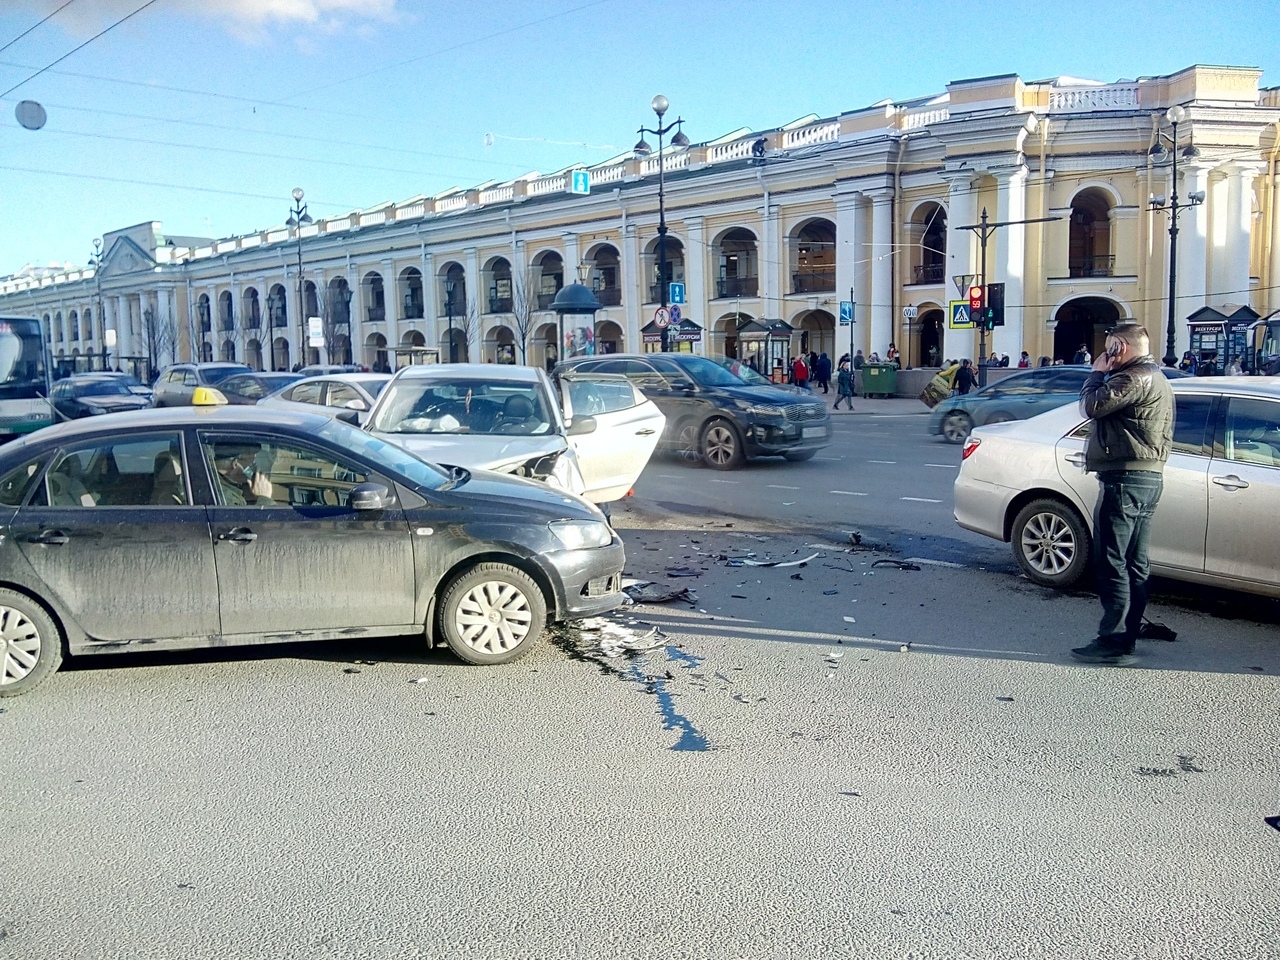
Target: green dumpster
<point>879,379</point>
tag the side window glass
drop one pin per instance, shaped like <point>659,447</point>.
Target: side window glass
<point>593,397</point>
<point>1190,416</point>
<point>306,392</point>
<point>1253,432</point>
<point>341,395</point>
<point>248,471</point>
<point>15,484</point>
<point>189,379</point>
<point>134,472</point>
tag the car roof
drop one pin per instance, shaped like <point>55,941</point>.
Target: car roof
<point>344,377</point>
<point>172,418</point>
<point>468,371</point>
<point>1246,386</point>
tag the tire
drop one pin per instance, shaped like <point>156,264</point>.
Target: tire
<point>493,613</point>
<point>685,446</point>
<point>31,643</point>
<point>1050,543</point>
<point>801,455</point>
<point>956,427</point>
<point>721,446</point>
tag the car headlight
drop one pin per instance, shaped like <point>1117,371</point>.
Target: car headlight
<point>582,534</point>
<point>96,411</point>
<point>762,410</point>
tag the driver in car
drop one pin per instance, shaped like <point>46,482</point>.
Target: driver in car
<point>239,479</point>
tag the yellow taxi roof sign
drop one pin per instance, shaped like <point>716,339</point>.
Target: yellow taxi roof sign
<point>208,397</point>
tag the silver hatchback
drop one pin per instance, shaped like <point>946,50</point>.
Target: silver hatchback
<point>1025,483</point>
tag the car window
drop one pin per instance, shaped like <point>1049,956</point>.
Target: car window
<point>247,387</point>
<point>305,392</point>
<point>593,397</point>
<point>373,387</point>
<point>1190,417</point>
<point>1253,431</point>
<point>189,379</point>
<point>101,388</point>
<point>173,376</point>
<point>389,455</point>
<point>263,472</point>
<point>15,484</point>
<point>341,394</point>
<point>465,406</point>
<point>214,375</point>
<point>134,472</point>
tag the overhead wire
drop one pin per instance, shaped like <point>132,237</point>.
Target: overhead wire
<point>36,26</point>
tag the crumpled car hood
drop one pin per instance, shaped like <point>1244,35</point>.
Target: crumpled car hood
<point>482,452</point>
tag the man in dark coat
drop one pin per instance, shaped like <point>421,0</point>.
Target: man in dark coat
<point>822,372</point>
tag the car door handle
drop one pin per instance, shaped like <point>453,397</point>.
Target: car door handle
<point>1231,482</point>
<point>646,432</point>
<point>1076,459</point>
<point>239,535</point>
<point>54,538</point>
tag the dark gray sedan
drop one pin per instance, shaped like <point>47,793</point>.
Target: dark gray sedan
<point>194,527</point>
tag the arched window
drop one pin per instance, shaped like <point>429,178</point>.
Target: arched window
<point>204,313</point>
<point>606,274</point>
<point>1089,248</point>
<point>549,267</point>
<point>674,253</point>
<point>226,312</point>
<point>252,311</point>
<point>497,275</point>
<point>813,257</point>
<point>453,290</point>
<point>375,297</point>
<point>75,325</point>
<point>739,267</point>
<point>411,293</point>
<point>929,223</point>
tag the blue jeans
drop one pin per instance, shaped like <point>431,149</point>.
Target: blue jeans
<point>1122,534</point>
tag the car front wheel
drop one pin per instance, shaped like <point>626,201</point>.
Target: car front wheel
<point>1050,543</point>
<point>721,446</point>
<point>493,613</point>
<point>31,643</point>
<point>956,427</point>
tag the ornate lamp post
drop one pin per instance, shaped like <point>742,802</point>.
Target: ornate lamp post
<point>298,217</point>
<point>1159,153</point>
<point>642,150</point>
<point>450,287</point>
<point>95,261</point>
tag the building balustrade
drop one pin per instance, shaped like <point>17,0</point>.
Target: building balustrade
<point>929,273</point>
<point>376,314</point>
<point>813,280</point>
<point>1091,266</point>
<point>737,286</point>
<point>500,304</point>
<point>609,296</point>
<point>413,310</point>
<point>544,300</point>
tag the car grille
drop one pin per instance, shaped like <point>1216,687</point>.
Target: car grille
<point>602,586</point>
<point>803,412</point>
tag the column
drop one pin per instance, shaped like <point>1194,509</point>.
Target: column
<point>572,258</point>
<point>1217,248</point>
<point>962,209</point>
<point>1193,248</point>
<point>472,308</point>
<point>1239,226</point>
<point>850,241</point>
<point>390,293</point>
<point>1011,204</point>
<point>1272,295</point>
<point>767,268</point>
<point>165,321</point>
<point>120,323</point>
<point>695,278</point>
<point>631,296</point>
<point>881,311</point>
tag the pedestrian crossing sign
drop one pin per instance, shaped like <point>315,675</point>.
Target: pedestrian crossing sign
<point>960,316</point>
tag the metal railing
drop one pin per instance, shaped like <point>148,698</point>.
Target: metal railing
<point>929,273</point>
<point>413,311</point>
<point>544,300</point>
<point>376,314</point>
<point>737,286</point>
<point>813,281</point>
<point>1091,266</point>
<point>500,304</point>
<point>609,296</point>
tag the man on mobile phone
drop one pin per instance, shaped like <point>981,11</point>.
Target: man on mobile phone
<point>240,483</point>
<point>1131,406</point>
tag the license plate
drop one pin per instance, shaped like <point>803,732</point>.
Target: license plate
<point>808,432</point>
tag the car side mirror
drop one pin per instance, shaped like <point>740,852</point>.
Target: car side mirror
<point>355,403</point>
<point>369,496</point>
<point>348,416</point>
<point>581,426</point>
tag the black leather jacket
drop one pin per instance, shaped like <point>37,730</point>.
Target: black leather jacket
<point>1132,412</point>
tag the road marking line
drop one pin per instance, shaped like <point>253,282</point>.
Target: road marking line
<point>724,481</point>
<point>936,563</point>
<point>669,476</point>
<point>853,493</point>
<point>920,499</point>
<point>944,466</point>
<point>883,461</point>
<point>778,486</point>
<point>828,458</point>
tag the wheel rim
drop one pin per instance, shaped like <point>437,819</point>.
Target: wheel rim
<point>956,427</point>
<point>687,442</point>
<point>1048,544</point>
<point>21,642</point>
<point>720,443</point>
<point>493,617</point>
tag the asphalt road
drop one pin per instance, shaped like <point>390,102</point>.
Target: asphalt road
<point>776,777</point>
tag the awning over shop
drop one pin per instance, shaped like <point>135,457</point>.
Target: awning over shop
<point>766,330</point>
<point>686,331</point>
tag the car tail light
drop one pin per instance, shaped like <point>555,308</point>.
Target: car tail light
<point>970,445</point>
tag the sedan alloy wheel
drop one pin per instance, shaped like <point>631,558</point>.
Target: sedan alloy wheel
<point>1050,543</point>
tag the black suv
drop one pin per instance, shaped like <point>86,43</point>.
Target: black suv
<point>176,384</point>
<point>720,410</point>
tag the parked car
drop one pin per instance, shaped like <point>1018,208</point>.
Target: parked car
<point>245,388</point>
<point>593,439</point>
<point>720,412</point>
<point>1024,483</point>
<point>198,526</point>
<point>135,385</point>
<point>323,369</point>
<point>93,394</point>
<point>352,394</point>
<point>176,384</point>
<point>1018,396</point>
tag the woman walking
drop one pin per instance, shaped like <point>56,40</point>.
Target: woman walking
<point>844,385</point>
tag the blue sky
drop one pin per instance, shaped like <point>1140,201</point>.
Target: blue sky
<point>361,101</point>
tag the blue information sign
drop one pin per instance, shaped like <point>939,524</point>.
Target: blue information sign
<point>846,312</point>
<point>676,293</point>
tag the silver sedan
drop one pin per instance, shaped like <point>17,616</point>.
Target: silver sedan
<point>1024,483</point>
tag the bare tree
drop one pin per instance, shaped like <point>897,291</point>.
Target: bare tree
<point>335,314</point>
<point>468,324</point>
<point>161,338</point>
<point>524,301</point>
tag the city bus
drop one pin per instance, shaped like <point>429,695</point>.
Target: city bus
<point>24,377</point>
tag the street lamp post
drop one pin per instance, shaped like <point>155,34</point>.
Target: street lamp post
<point>95,261</point>
<point>1159,153</point>
<point>298,217</point>
<point>449,287</point>
<point>642,150</point>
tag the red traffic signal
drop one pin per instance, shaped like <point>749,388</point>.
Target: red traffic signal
<point>975,297</point>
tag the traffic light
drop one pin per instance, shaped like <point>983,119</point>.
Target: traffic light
<point>995,305</point>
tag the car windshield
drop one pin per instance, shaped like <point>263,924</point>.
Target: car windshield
<point>464,406</point>
<point>397,459</point>
<point>373,387</point>
<point>102,388</point>
<point>720,373</point>
<point>218,374</point>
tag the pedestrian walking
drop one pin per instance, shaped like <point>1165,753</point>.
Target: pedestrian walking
<point>965,379</point>
<point>800,373</point>
<point>822,374</point>
<point>1131,406</point>
<point>844,384</point>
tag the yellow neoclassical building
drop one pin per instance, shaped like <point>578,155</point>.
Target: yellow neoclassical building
<point>768,232</point>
